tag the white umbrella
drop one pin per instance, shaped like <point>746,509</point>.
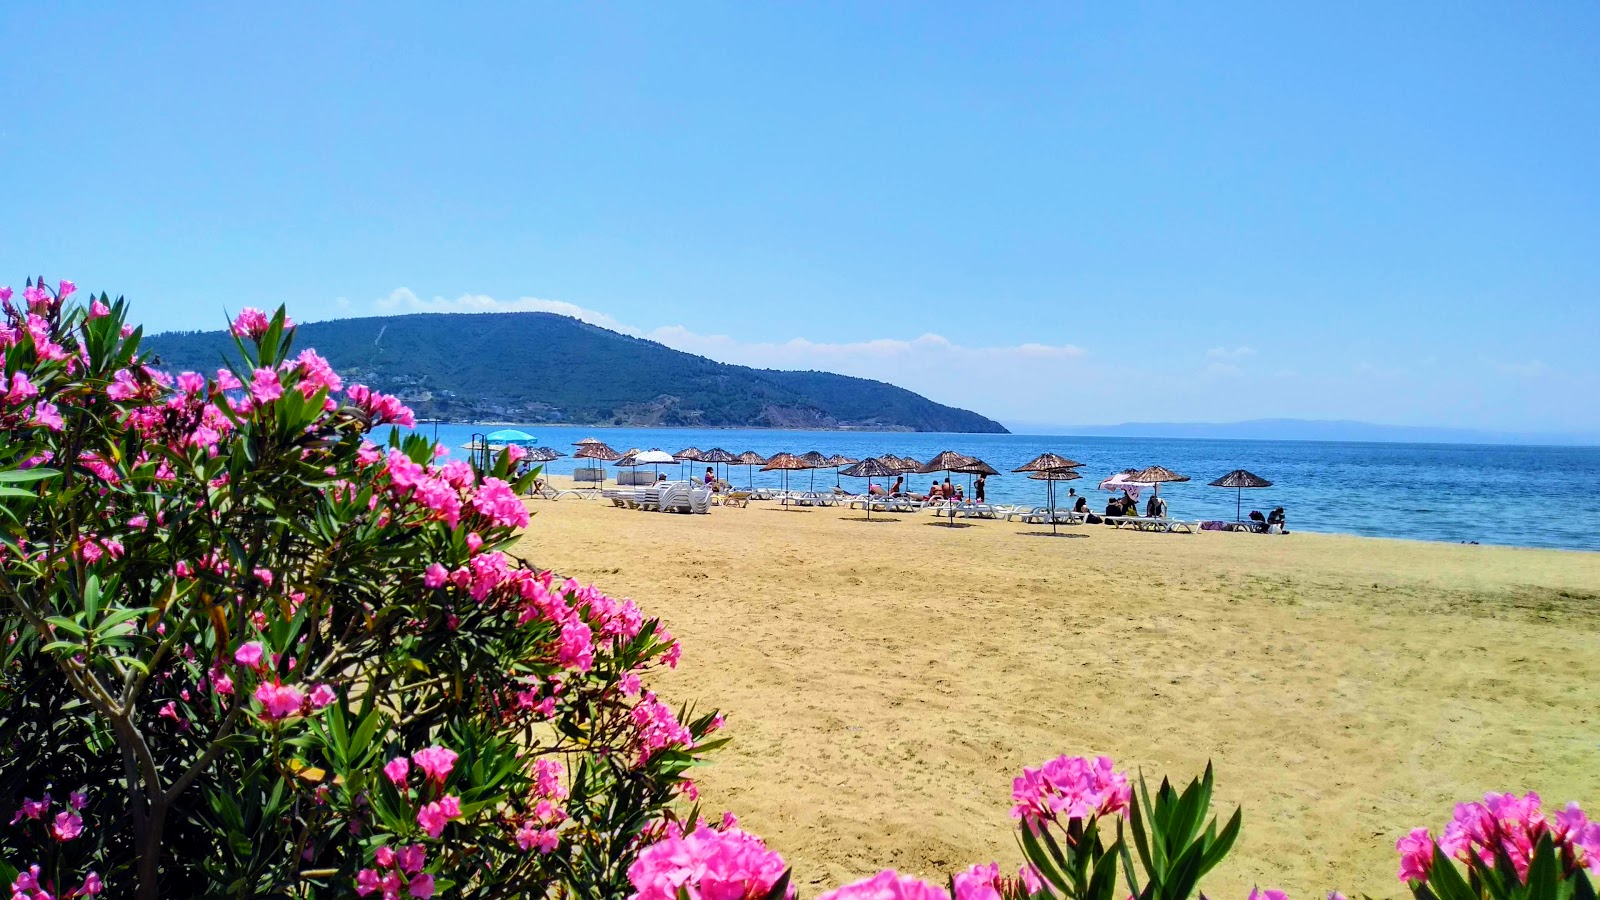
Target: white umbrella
<point>654,457</point>
<point>1121,482</point>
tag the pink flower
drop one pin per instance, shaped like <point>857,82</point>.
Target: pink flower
<point>421,886</point>
<point>33,809</point>
<point>46,415</point>
<point>66,289</point>
<point>629,683</point>
<point>887,885</point>
<point>434,816</point>
<point>98,310</point>
<point>68,825</point>
<point>707,864</point>
<point>436,762</point>
<point>1416,855</point>
<point>397,769</point>
<point>1031,882</point>
<point>122,386</point>
<point>657,728</point>
<point>435,576</point>
<point>322,695</point>
<point>384,857</point>
<point>265,386</point>
<point>21,389</point>
<point>279,701</point>
<point>412,859</point>
<point>251,323</point>
<point>91,885</point>
<point>978,883</point>
<point>1073,787</point>
<point>78,799</point>
<point>367,882</point>
<point>248,655</point>
<point>1268,894</point>
<point>26,881</point>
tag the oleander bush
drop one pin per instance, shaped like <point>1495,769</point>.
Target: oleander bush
<point>248,652</point>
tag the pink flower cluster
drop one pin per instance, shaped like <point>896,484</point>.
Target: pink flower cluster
<point>29,885</point>
<point>400,870</point>
<point>657,728</point>
<point>382,409</point>
<point>538,831</point>
<point>1071,787</point>
<point>707,864</point>
<point>891,885</point>
<point>1508,823</point>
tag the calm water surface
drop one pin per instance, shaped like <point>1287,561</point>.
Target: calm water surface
<point>1523,496</point>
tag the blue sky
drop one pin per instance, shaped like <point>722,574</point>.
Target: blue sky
<point>1052,213</point>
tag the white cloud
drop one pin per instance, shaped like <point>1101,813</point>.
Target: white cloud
<point>404,300</point>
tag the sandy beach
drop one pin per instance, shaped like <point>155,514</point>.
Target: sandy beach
<point>884,682</point>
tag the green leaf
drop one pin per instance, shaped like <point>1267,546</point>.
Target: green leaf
<point>1224,842</point>
<point>21,476</point>
<point>1544,871</point>
<point>67,625</point>
<point>1446,880</point>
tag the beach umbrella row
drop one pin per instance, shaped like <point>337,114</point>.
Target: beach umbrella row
<point>1051,468</point>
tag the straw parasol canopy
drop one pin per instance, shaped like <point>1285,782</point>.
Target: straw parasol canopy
<point>1046,462</point>
<point>816,462</point>
<point>543,454</point>
<point>717,455</point>
<point>1157,475</point>
<point>869,469</point>
<point>598,452</point>
<point>976,467</point>
<point>1239,479</point>
<point>786,463</point>
<point>750,459</point>
<point>589,442</point>
<point>837,460</point>
<point>948,461</point>
<point>687,454</point>
<point>1050,477</point>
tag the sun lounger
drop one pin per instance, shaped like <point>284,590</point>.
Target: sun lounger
<point>699,500</point>
<point>736,498</point>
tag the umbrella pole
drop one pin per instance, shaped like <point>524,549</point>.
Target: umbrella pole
<point>1238,504</point>
<point>869,498</point>
<point>1052,507</point>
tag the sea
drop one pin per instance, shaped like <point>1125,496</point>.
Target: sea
<point>1525,496</point>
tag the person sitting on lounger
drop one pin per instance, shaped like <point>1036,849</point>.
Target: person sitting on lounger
<point>661,478</point>
<point>1155,508</point>
<point>959,495</point>
<point>1082,506</point>
<point>949,489</point>
<point>1276,518</point>
<point>899,486</point>
<point>935,492</point>
<point>1258,522</point>
<point>1114,507</point>
<point>711,476</point>
<point>875,490</point>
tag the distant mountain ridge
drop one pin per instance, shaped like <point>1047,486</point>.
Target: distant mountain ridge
<point>543,367</point>
<point>1313,430</point>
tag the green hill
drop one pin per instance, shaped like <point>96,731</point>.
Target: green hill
<point>541,367</point>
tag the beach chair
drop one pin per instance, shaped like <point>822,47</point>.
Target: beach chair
<point>740,499</point>
<point>699,500</point>
<point>647,498</point>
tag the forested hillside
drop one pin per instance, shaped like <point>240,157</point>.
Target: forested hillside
<point>541,367</point>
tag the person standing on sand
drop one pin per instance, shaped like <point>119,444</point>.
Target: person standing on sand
<point>977,489</point>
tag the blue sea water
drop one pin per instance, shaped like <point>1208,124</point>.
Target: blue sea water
<point>1492,494</point>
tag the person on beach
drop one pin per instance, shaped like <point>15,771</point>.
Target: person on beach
<point>1155,508</point>
<point>711,475</point>
<point>959,496</point>
<point>1082,506</point>
<point>1276,518</point>
<point>949,489</point>
<point>934,491</point>
<point>1258,522</point>
<point>899,486</point>
<point>977,489</point>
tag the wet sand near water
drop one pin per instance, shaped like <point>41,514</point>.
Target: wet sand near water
<point>883,683</point>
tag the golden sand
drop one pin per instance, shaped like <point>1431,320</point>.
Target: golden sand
<point>884,682</point>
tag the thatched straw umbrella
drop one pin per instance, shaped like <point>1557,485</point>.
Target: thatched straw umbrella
<point>750,459</point>
<point>1239,479</point>
<point>718,456</point>
<point>869,469</point>
<point>837,460</point>
<point>1052,468</point>
<point>1050,477</point>
<point>686,455</point>
<point>978,467</point>
<point>598,452</point>
<point>948,462</point>
<point>786,463</point>
<point>1157,475</point>
<point>814,461</point>
<point>589,442</point>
